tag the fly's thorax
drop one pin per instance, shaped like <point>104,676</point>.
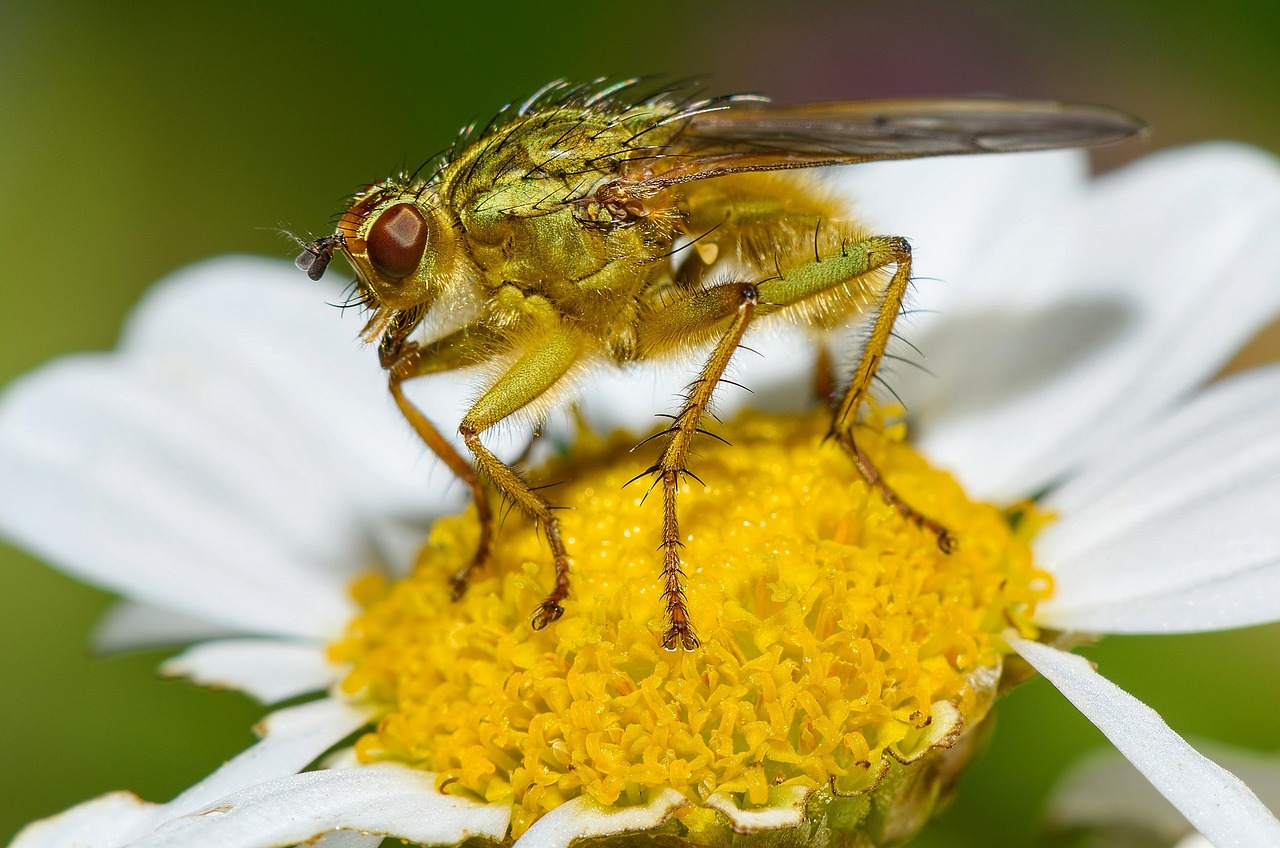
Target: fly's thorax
<point>572,148</point>
<point>539,253</point>
<point>519,191</point>
<point>403,245</point>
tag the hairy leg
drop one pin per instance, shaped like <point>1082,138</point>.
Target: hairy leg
<point>528,378</point>
<point>738,301</point>
<point>405,360</point>
<point>846,274</point>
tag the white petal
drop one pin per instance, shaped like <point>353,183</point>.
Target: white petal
<point>110,474</point>
<point>398,539</point>
<point>269,670</point>
<point>264,327</point>
<point>962,215</point>
<point>1215,801</point>
<point>1176,531</point>
<point>1105,792</point>
<point>582,818</point>
<point>292,379</point>
<point>383,798</point>
<point>224,454</point>
<point>291,740</point>
<point>1135,300</point>
<point>104,822</point>
<point>131,626</point>
<point>1213,603</point>
<point>302,362</point>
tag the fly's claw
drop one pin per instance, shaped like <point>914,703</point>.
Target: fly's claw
<point>947,543</point>
<point>458,584</point>
<point>679,634</point>
<point>680,637</point>
<point>547,612</point>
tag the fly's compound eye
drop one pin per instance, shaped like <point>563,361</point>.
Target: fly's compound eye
<point>397,240</point>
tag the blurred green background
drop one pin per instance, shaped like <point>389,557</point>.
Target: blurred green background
<point>137,137</point>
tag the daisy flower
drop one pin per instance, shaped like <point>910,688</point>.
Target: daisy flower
<point>237,473</point>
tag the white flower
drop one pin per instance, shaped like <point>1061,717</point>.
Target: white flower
<point>237,463</point>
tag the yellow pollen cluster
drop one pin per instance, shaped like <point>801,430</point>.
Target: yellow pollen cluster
<point>831,629</point>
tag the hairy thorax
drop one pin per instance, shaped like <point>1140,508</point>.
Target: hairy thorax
<point>588,256</point>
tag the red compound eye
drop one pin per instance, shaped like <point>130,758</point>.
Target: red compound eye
<point>397,241</point>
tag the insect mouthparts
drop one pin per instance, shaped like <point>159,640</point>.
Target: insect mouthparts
<point>316,255</point>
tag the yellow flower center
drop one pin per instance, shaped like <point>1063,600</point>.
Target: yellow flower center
<point>836,637</point>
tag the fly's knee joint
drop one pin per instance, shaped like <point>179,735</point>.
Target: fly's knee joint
<point>895,249</point>
<point>403,364</point>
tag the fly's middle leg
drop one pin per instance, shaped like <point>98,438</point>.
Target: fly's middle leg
<point>697,311</point>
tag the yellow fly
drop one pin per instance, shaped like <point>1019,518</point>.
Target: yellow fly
<point>558,223</point>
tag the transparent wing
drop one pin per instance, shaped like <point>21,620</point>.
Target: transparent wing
<point>761,137</point>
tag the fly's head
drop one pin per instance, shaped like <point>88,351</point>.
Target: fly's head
<point>403,246</point>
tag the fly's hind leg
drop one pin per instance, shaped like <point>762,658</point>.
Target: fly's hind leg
<point>840,279</point>
<point>828,269</point>
<point>877,252</point>
<point>845,278</point>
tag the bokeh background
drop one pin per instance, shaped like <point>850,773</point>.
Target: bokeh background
<point>135,138</point>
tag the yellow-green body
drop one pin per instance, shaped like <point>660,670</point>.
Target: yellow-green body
<point>543,259</point>
<point>579,233</point>
<point>539,264</point>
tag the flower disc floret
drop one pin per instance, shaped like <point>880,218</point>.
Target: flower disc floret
<point>838,641</point>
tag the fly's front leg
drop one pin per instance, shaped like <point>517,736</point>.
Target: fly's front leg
<point>532,375</point>
<point>405,360</point>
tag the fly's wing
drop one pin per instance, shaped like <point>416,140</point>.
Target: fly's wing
<point>762,137</point>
